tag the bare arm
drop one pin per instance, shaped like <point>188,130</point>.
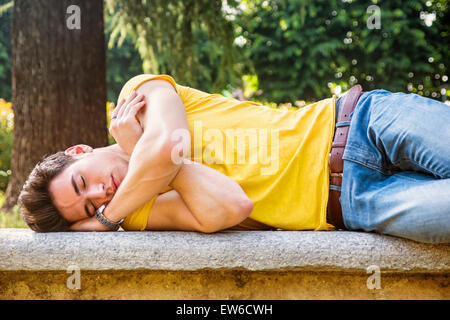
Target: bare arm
<point>214,200</point>
<point>150,168</point>
<point>203,200</point>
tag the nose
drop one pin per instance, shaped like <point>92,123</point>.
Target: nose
<point>99,194</point>
<point>96,190</point>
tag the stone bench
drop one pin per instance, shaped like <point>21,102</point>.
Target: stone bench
<point>224,265</point>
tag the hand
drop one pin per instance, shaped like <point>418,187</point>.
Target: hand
<point>124,127</point>
<point>89,224</point>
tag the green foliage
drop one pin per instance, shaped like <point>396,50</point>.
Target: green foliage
<point>12,219</point>
<point>298,49</point>
<point>6,141</point>
<point>301,48</point>
<point>123,62</point>
<point>191,40</point>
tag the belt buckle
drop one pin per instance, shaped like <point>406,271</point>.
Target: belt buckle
<point>336,174</point>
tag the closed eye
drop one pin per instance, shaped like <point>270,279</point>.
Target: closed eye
<point>85,206</point>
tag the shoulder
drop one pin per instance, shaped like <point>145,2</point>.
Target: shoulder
<point>148,82</point>
<point>149,86</point>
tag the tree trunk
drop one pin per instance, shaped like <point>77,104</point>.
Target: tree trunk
<point>58,82</point>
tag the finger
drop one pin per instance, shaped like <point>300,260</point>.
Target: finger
<point>130,98</point>
<point>116,109</point>
<point>138,98</point>
<point>133,110</point>
<point>119,106</point>
<point>122,101</point>
<point>131,105</point>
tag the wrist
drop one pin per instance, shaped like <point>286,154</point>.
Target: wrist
<point>131,146</point>
<point>104,219</point>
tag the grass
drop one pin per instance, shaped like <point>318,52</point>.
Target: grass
<point>10,219</point>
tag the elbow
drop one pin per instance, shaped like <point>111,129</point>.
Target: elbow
<point>245,207</point>
<point>176,148</point>
<point>172,153</point>
<point>169,146</point>
<point>241,210</point>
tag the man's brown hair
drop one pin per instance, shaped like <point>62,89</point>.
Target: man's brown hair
<point>36,204</point>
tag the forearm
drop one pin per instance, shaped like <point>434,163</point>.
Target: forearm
<point>214,199</point>
<point>151,167</point>
<point>150,170</point>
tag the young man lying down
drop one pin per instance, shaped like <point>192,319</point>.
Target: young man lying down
<point>190,160</point>
<point>139,175</point>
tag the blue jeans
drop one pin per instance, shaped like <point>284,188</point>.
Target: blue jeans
<point>396,178</point>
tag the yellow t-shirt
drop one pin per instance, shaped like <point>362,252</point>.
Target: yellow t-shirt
<point>280,158</point>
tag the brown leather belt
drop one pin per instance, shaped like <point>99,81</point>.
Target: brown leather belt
<point>348,104</point>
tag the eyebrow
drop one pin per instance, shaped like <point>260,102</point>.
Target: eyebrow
<point>75,187</point>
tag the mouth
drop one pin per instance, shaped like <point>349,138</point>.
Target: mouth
<point>115,183</point>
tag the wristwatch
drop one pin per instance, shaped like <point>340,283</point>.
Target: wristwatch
<point>105,221</point>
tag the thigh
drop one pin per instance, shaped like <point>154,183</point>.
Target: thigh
<point>412,133</point>
<point>407,204</point>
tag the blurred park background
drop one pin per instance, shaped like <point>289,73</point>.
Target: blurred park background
<point>59,76</point>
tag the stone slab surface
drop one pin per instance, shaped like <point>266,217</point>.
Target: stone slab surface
<point>23,249</point>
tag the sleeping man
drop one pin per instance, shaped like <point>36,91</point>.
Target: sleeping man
<point>190,160</point>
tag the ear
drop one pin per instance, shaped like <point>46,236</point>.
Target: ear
<point>78,149</point>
